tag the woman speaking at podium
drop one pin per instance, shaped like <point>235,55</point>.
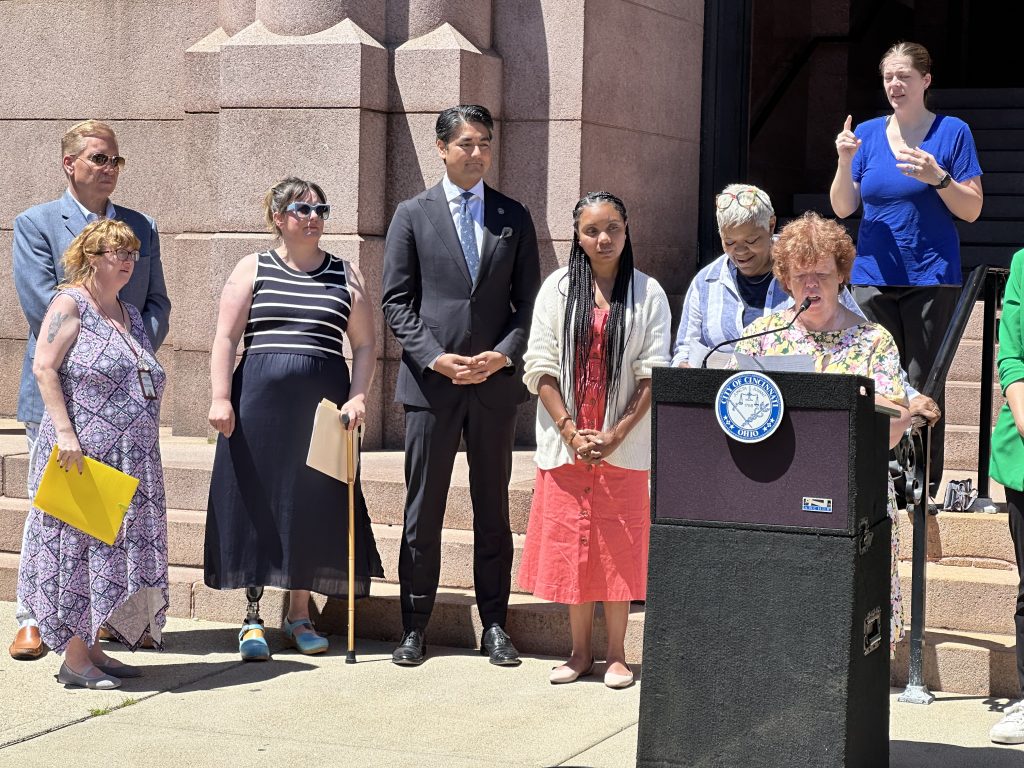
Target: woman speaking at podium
<point>813,260</point>
<point>599,327</point>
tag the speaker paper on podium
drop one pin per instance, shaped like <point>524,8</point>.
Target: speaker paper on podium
<point>328,448</point>
<point>94,502</point>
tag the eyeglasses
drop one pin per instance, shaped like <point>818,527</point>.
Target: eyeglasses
<point>100,159</point>
<point>305,210</point>
<point>121,255</point>
<point>748,198</point>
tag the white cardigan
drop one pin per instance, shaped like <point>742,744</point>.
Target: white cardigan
<point>647,345</point>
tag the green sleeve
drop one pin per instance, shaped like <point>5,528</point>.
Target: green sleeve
<point>1011,352</point>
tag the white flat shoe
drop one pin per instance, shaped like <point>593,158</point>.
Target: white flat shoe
<point>564,674</point>
<point>613,680</point>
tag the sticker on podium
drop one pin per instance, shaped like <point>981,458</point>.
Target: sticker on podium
<point>814,504</point>
<point>749,407</point>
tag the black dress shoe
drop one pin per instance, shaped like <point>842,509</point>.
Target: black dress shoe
<point>412,650</point>
<point>498,645</point>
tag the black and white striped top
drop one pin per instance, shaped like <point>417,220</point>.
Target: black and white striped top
<point>305,313</point>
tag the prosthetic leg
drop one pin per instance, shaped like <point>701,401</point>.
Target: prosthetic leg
<point>252,641</point>
<point>253,595</point>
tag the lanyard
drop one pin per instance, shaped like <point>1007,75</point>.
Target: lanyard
<point>143,370</point>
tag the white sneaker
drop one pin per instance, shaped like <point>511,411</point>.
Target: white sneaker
<point>1010,730</point>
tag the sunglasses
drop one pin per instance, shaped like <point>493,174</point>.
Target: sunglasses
<point>748,198</point>
<point>121,255</point>
<point>100,159</point>
<point>305,210</point>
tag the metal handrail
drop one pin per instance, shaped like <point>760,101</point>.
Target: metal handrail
<point>918,443</point>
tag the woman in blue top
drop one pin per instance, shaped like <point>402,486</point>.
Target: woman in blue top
<point>914,171</point>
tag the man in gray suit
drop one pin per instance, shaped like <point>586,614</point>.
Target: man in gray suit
<point>92,165</point>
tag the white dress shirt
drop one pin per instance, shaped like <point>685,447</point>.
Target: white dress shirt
<point>90,217</point>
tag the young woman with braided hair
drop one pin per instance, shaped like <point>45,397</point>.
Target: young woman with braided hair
<point>599,327</point>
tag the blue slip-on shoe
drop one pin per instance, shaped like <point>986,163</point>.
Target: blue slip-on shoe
<point>308,643</point>
<point>252,643</point>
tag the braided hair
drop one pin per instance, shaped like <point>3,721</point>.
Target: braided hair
<point>577,327</point>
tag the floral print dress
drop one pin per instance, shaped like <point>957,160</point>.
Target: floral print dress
<point>865,349</point>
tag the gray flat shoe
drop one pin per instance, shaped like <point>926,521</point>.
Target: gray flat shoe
<point>68,676</point>
<point>119,670</point>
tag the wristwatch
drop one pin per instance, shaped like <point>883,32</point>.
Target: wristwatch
<point>508,362</point>
<point>946,181</point>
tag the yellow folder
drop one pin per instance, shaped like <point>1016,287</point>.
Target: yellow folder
<point>94,502</point>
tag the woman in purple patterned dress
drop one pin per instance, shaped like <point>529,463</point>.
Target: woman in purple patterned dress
<point>101,386</point>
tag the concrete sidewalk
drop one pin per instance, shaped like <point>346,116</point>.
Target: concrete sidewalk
<point>198,705</point>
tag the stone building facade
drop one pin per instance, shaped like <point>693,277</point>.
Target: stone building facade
<point>215,101</point>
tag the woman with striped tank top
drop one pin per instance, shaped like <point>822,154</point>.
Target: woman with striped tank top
<point>273,521</point>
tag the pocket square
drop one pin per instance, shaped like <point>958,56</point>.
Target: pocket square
<point>505,232</point>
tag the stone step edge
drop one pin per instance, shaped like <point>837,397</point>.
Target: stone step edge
<point>385,532</point>
<point>939,573</point>
<point>536,626</point>
<point>958,661</point>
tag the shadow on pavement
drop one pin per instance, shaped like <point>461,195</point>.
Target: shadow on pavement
<point>915,754</point>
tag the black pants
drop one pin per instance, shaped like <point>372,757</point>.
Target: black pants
<point>917,318</point>
<point>1015,508</point>
<point>431,441</point>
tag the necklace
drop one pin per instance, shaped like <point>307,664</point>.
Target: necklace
<point>764,277</point>
<point>144,371</point>
<point>752,281</point>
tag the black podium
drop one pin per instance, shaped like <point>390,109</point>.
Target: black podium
<point>766,638</point>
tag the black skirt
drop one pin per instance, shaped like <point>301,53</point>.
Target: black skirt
<point>271,520</point>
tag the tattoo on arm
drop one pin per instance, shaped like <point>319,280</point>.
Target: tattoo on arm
<point>55,324</point>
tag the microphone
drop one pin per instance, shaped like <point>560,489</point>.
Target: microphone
<point>803,308</point>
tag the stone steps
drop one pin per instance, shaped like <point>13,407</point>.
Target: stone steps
<point>965,599</point>
<point>188,462</point>
<point>970,598</point>
<point>969,663</point>
<point>536,626</point>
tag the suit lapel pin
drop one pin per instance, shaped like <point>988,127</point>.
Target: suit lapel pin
<point>501,211</point>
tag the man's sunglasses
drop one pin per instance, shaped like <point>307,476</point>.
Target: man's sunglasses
<point>101,159</point>
<point>305,210</point>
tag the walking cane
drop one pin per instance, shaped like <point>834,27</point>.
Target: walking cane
<point>352,441</point>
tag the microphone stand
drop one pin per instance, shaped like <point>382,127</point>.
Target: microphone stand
<point>803,308</point>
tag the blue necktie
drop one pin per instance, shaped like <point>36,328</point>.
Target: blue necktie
<point>467,237</point>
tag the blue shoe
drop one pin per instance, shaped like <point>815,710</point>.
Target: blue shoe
<point>308,643</point>
<point>252,643</point>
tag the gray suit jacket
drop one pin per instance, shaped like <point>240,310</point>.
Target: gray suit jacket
<point>41,235</point>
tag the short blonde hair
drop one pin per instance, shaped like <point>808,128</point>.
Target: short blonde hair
<point>805,240</point>
<point>73,141</point>
<point>102,234</point>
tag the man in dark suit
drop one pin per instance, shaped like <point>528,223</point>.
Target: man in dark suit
<point>92,165</point>
<point>461,271</point>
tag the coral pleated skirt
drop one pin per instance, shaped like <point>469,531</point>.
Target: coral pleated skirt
<point>588,533</point>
